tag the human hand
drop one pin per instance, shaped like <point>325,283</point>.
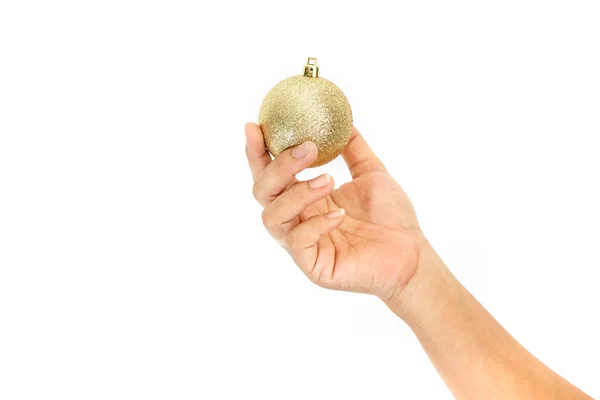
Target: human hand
<point>363,237</point>
<point>377,247</point>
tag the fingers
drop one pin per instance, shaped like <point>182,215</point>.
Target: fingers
<point>359,157</point>
<point>281,172</point>
<point>258,158</point>
<point>280,216</point>
<point>308,233</point>
<point>302,240</point>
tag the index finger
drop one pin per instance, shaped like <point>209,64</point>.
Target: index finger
<point>258,158</point>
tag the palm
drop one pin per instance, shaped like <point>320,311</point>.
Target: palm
<point>374,249</point>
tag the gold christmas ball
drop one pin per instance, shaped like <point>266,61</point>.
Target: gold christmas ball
<point>306,107</point>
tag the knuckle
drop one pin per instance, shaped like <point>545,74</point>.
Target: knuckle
<point>300,193</point>
<point>266,218</point>
<point>279,162</point>
<point>295,194</point>
<point>269,220</point>
<point>256,192</point>
<point>291,239</point>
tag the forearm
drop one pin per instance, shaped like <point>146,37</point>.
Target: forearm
<point>475,356</point>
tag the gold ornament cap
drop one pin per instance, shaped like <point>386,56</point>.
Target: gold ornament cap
<point>311,69</point>
<point>306,108</point>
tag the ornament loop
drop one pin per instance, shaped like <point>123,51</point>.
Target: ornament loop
<point>311,69</point>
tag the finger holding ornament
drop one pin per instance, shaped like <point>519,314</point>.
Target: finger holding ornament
<point>281,172</point>
<point>257,155</point>
<point>281,215</point>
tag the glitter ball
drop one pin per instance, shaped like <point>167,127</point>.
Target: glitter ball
<point>306,107</point>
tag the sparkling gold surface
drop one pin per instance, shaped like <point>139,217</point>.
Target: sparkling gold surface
<point>303,108</point>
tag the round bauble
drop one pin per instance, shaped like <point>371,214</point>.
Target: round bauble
<point>306,107</point>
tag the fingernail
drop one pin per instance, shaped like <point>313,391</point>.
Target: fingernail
<point>319,181</point>
<point>300,150</point>
<point>335,213</point>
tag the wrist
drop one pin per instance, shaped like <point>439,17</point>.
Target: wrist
<point>430,282</point>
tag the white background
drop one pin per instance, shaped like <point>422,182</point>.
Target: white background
<point>133,263</point>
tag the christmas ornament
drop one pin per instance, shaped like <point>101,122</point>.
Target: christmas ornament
<point>306,107</point>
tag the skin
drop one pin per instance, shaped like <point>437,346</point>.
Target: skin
<point>364,237</point>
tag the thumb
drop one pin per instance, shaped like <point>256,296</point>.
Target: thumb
<point>359,157</point>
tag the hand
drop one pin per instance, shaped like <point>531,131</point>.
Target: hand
<point>363,237</point>
<point>377,247</point>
